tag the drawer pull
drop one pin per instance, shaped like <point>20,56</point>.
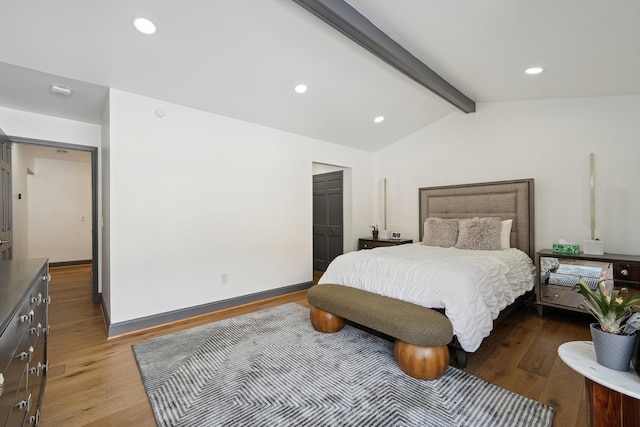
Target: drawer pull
<point>26,317</point>
<point>556,296</point>
<point>624,272</point>
<point>36,369</point>
<point>26,354</point>
<point>37,300</point>
<point>35,419</point>
<point>36,331</point>
<point>46,277</point>
<point>1,383</point>
<point>24,404</point>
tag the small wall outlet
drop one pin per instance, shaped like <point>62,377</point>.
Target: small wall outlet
<point>224,278</point>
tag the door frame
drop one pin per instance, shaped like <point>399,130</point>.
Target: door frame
<point>97,296</point>
<point>7,198</point>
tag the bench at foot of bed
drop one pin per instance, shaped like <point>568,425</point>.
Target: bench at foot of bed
<point>421,334</point>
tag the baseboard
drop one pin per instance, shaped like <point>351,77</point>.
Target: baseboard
<point>69,263</point>
<point>129,326</point>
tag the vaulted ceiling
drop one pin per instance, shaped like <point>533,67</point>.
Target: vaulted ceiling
<point>242,59</point>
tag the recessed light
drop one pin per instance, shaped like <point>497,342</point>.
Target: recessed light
<point>145,26</point>
<point>534,70</point>
<point>378,119</point>
<point>301,88</point>
<point>60,90</point>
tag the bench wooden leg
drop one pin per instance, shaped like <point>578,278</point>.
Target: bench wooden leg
<point>323,321</point>
<point>424,363</point>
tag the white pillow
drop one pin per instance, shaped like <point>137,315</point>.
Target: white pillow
<point>505,234</point>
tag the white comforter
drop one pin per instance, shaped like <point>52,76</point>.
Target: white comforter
<point>471,286</point>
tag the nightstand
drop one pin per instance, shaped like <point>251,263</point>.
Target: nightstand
<point>623,273</point>
<point>365,243</point>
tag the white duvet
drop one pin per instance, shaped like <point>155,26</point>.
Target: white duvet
<point>471,286</point>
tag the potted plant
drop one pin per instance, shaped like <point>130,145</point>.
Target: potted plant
<point>613,343</point>
<point>374,230</point>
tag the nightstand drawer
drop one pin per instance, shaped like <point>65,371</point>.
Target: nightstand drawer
<point>561,296</point>
<point>627,272</point>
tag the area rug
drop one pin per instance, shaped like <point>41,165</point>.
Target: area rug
<point>271,368</point>
<point>569,275</point>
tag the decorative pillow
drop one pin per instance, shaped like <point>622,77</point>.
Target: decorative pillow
<point>505,234</point>
<point>440,232</point>
<point>479,233</point>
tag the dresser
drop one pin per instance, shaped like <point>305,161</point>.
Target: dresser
<point>24,301</point>
<point>364,243</point>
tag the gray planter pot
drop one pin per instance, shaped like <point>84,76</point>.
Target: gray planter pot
<point>612,351</point>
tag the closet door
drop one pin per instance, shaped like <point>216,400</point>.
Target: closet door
<point>327,219</point>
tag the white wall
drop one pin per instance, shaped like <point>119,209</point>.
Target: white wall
<point>194,195</point>
<point>105,202</point>
<point>59,200</point>
<point>38,126</point>
<point>548,140</point>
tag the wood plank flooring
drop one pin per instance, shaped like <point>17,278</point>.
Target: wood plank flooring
<point>94,381</point>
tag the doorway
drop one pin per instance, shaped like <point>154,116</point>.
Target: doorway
<point>89,221</point>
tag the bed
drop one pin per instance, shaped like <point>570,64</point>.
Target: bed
<point>446,278</point>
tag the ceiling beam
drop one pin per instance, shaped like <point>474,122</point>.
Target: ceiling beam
<point>344,18</point>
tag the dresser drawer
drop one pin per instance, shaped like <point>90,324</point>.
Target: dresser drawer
<point>17,328</point>
<point>14,391</point>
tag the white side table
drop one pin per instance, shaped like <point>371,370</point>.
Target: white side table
<point>612,396</point>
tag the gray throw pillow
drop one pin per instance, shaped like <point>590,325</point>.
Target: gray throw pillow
<point>440,232</point>
<point>479,233</point>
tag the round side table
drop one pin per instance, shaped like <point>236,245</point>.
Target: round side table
<point>612,396</point>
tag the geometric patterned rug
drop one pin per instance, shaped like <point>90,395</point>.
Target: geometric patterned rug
<point>271,368</point>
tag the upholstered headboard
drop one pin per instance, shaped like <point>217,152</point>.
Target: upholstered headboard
<point>503,199</point>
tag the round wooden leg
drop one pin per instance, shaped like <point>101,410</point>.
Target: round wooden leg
<point>324,321</point>
<point>424,363</point>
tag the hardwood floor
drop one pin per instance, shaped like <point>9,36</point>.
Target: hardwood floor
<point>95,381</point>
